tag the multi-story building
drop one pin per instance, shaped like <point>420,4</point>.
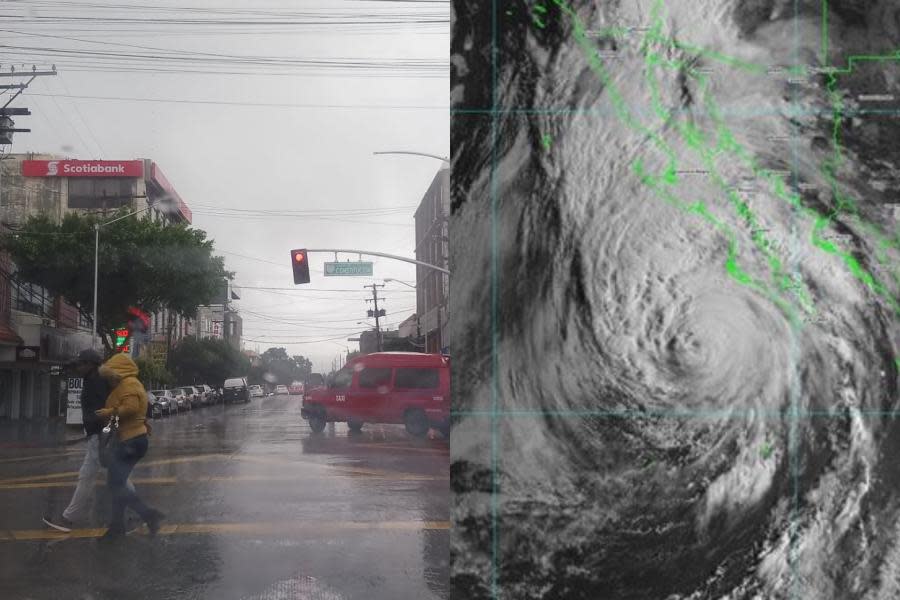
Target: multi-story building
<point>220,319</point>
<point>433,247</point>
<point>39,332</point>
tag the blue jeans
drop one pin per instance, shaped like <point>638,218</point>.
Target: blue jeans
<point>127,456</point>
<point>87,479</point>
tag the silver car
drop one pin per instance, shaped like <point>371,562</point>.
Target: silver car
<point>166,400</point>
<point>207,393</point>
<point>154,407</point>
<point>191,395</point>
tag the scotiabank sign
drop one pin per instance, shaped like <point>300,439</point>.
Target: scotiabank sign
<point>83,168</point>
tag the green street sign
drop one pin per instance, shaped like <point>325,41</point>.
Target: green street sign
<point>348,269</point>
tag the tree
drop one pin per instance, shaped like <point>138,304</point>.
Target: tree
<point>304,367</point>
<point>143,263</point>
<point>285,369</point>
<point>152,374</point>
<point>209,361</point>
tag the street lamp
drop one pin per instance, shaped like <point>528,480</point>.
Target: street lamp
<point>403,282</point>
<point>97,227</point>
<point>445,165</point>
<point>445,159</point>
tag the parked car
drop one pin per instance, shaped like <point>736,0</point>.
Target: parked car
<point>236,390</point>
<point>385,387</point>
<point>296,388</point>
<point>191,395</point>
<point>281,389</point>
<point>167,401</point>
<point>154,408</point>
<point>208,394</point>
<point>256,391</point>
<point>202,396</point>
<point>184,403</point>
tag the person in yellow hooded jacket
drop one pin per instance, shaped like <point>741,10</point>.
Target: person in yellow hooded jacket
<point>127,401</point>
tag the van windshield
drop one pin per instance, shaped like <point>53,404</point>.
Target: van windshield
<point>342,379</point>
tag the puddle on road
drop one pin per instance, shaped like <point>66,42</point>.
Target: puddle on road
<point>296,588</point>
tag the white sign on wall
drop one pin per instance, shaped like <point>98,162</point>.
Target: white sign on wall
<point>73,401</point>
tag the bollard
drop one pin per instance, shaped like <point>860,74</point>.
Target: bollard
<point>331,428</point>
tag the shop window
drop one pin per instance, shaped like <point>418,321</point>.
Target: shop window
<point>100,192</point>
<point>32,298</point>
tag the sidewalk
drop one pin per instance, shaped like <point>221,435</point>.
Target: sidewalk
<point>39,433</point>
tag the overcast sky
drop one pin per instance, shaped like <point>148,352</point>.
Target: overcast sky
<point>266,135</point>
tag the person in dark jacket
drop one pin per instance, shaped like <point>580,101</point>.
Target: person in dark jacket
<point>94,392</point>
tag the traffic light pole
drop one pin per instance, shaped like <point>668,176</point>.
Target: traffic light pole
<point>383,255</point>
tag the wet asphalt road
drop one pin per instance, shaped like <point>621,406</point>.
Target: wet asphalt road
<point>258,507</point>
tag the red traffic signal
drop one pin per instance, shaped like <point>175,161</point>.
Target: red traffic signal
<point>300,264</point>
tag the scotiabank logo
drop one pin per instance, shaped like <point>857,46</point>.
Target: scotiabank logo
<point>93,169</point>
<point>83,168</point>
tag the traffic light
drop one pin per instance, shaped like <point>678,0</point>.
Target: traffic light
<point>122,335</point>
<point>300,264</point>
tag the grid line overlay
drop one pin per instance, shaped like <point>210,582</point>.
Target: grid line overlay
<point>745,112</point>
<point>495,391</point>
<point>793,415</point>
<point>795,392</point>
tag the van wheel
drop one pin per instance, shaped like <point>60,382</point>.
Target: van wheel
<point>317,424</point>
<point>354,425</point>
<point>416,423</point>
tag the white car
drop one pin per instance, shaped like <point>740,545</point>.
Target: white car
<point>256,391</point>
<point>281,389</point>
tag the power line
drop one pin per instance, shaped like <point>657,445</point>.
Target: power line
<point>316,289</point>
<point>253,104</point>
<point>331,219</point>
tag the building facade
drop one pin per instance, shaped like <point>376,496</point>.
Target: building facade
<point>220,319</point>
<point>433,247</point>
<point>39,332</point>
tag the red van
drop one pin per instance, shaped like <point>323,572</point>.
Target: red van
<point>385,387</point>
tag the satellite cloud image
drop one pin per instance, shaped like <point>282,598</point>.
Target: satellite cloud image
<point>676,225</point>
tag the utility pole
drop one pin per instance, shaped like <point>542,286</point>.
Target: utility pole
<point>7,125</point>
<point>375,287</point>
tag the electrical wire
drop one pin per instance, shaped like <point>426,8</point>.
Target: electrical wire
<point>248,104</point>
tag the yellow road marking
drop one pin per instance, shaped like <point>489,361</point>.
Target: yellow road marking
<point>150,463</point>
<point>216,479</point>
<point>348,470</point>
<point>39,456</point>
<point>5,483</point>
<point>409,448</point>
<point>280,528</point>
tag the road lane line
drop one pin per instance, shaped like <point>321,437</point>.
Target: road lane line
<point>151,463</point>
<point>39,456</point>
<point>278,528</point>
<point>209,457</point>
<point>349,470</point>
<point>35,485</point>
<point>428,449</point>
<point>56,484</point>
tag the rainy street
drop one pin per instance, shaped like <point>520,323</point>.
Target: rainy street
<point>256,504</point>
